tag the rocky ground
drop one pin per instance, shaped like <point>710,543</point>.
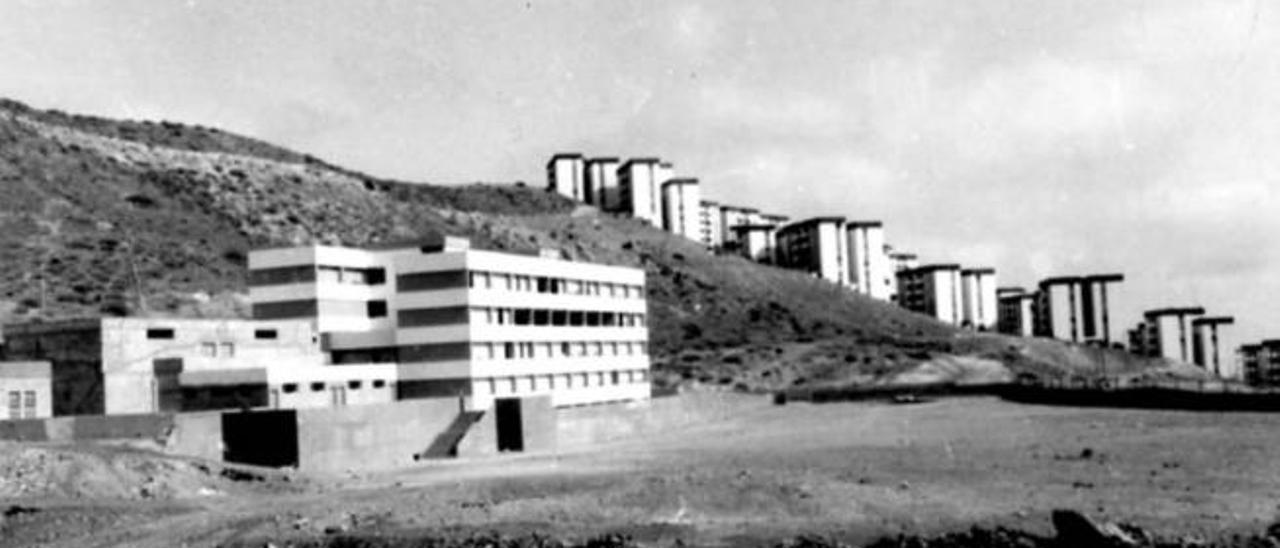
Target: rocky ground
<point>725,470</point>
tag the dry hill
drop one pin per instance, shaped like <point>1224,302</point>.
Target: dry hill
<point>114,217</point>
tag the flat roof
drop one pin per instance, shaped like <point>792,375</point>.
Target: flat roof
<point>978,270</point>
<point>565,156</point>
<point>1010,289</point>
<point>814,221</point>
<point>708,203</point>
<point>1113,277</point>
<point>602,159</point>
<point>748,228</point>
<point>680,181</point>
<point>864,224</point>
<point>1270,343</point>
<point>1213,320</point>
<point>639,161</point>
<point>902,255</point>
<point>1060,280</point>
<point>1174,311</point>
<point>924,269</point>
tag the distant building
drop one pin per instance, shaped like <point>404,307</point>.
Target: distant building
<point>1255,367</point>
<point>978,298</point>
<point>638,189</point>
<point>772,219</point>
<point>870,272</point>
<point>933,290</point>
<point>756,242</point>
<point>601,186</point>
<point>1095,314</point>
<point>1014,313</point>
<point>709,223</point>
<point>1166,333</point>
<point>565,175</point>
<point>681,210</point>
<point>1212,344</point>
<point>731,216</point>
<point>816,246</point>
<point>1057,309</point>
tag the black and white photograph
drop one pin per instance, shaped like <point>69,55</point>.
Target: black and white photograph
<point>639,273</point>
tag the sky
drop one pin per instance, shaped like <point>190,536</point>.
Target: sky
<point>1040,137</point>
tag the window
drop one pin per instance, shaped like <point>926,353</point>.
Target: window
<point>375,276</point>
<point>317,386</point>
<point>564,349</point>
<point>376,309</point>
<point>29,404</point>
<point>493,386</point>
<point>262,334</point>
<point>354,385</point>
<point>379,383</point>
<point>597,349</point>
<point>228,350</point>
<point>209,350</point>
<point>509,350</point>
<point>289,388</point>
<point>615,377</point>
<point>160,333</point>
<point>15,405</point>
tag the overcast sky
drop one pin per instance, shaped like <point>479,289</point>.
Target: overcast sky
<point>1039,137</point>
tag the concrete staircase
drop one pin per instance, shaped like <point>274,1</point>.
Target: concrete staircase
<point>446,443</point>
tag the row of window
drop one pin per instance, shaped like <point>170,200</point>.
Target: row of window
<point>22,404</point>
<point>565,381</point>
<point>478,279</point>
<point>531,350</point>
<point>320,386</point>
<point>218,349</point>
<point>563,318</point>
<point>168,333</point>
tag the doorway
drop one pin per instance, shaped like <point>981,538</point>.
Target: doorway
<point>510,430</point>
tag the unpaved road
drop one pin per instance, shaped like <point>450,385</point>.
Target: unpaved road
<point>761,473</point>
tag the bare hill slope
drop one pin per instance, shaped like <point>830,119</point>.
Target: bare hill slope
<point>104,216</point>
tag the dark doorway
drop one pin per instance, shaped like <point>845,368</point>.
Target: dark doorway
<point>264,438</point>
<point>510,431</point>
<point>168,396</point>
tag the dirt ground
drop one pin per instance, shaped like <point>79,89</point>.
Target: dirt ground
<point>762,473</point>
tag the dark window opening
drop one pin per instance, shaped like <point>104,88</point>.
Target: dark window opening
<point>354,385</point>
<point>375,276</point>
<point>317,386</point>
<point>376,309</point>
<point>264,334</point>
<point>379,383</point>
<point>524,316</point>
<point>160,333</point>
<point>289,388</point>
<point>541,317</point>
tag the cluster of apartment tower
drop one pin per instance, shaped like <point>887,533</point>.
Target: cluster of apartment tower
<point>854,254</point>
<point>336,326</point>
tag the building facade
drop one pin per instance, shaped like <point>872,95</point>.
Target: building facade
<point>1212,344</point>
<point>816,246</point>
<point>933,290</point>
<point>638,189</point>
<point>1165,333</point>
<point>978,298</point>
<point>1014,313</point>
<point>731,216</point>
<point>681,208</point>
<point>484,325</point>
<point>26,389</point>
<point>709,223</point>
<point>755,242</point>
<point>1057,309</point>
<point>870,271</point>
<point>600,187</point>
<point>566,175</point>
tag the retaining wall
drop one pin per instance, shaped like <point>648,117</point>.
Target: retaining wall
<point>584,426</point>
<point>362,437</point>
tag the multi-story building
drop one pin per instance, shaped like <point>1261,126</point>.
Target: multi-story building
<point>1095,307</point>
<point>1056,310</point>
<point>480,324</point>
<point>639,181</point>
<point>731,216</point>
<point>816,246</point>
<point>899,261</point>
<point>870,271</point>
<point>755,242</point>
<point>601,184</point>
<point>978,298</point>
<point>1014,315</point>
<point>1253,366</point>
<point>1212,344</point>
<point>933,290</point>
<point>681,210</point>
<point>709,221</point>
<point>774,219</point>
<point>565,175</point>
<point>1165,333</point>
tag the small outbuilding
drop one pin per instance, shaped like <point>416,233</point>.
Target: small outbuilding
<point>26,390</point>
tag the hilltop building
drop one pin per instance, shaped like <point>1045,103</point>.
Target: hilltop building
<point>1211,345</point>
<point>816,246</point>
<point>870,272</point>
<point>933,290</point>
<point>565,175</point>
<point>709,223</point>
<point>1075,308</point>
<point>1165,333</point>
<point>1014,315</point>
<point>1095,325</point>
<point>601,185</point>
<point>978,298</point>
<point>1260,363</point>
<point>731,216</point>
<point>639,181</point>
<point>681,209</point>
<point>755,242</point>
<point>774,219</point>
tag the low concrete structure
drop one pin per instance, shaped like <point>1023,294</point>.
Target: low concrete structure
<point>27,389</point>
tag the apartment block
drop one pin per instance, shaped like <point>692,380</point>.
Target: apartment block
<point>639,186</point>
<point>1057,309</point>
<point>1260,363</point>
<point>681,208</point>
<point>756,242</point>
<point>978,298</point>
<point>933,290</point>
<point>601,185</point>
<point>566,175</point>
<point>484,325</point>
<point>1165,333</point>
<point>709,221</point>
<point>870,271</point>
<point>731,216</point>
<point>1212,344</point>
<point>1095,307</point>
<point>774,219</point>
<point>816,246</point>
<point>1014,313</point>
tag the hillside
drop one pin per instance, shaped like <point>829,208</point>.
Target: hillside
<point>103,216</point>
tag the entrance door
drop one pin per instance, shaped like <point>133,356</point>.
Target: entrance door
<point>510,432</point>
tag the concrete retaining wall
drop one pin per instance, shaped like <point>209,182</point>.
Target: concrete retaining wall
<point>117,427</point>
<point>371,436</point>
<point>583,426</point>
<point>196,435</point>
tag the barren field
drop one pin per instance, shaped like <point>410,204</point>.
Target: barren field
<point>735,470</point>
